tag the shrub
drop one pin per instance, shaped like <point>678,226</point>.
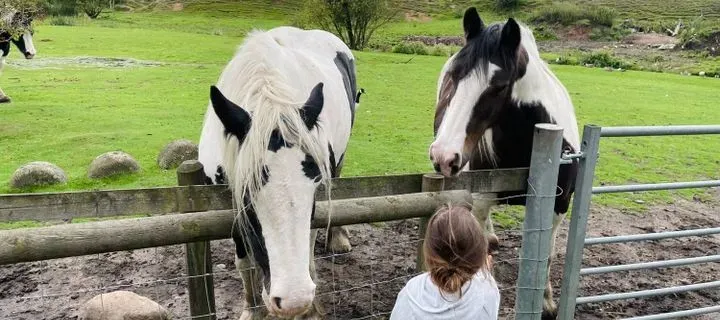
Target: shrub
<point>410,48</point>
<point>354,21</point>
<point>604,59</point>
<point>62,8</point>
<point>93,8</point>
<point>62,21</point>
<point>507,4</point>
<point>569,14</point>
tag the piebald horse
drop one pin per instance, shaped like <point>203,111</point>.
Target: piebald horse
<point>276,127</point>
<point>23,41</point>
<point>490,96</point>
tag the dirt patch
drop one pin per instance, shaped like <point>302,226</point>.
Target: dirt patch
<point>366,281</point>
<point>87,62</point>
<point>650,39</point>
<point>417,16</point>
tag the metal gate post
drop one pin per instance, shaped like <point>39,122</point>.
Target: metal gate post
<point>537,227</point>
<point>578,222</point>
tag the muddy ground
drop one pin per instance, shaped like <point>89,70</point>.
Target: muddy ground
<point>366,280</point>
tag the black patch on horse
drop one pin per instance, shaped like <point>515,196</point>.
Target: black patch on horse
<point>220,175</point>
<point>277,141</point>
<point>251,229</point>
<point>333,164</point>
<point>512,141</point>
<point>346,66</point>
<point>310,168</point>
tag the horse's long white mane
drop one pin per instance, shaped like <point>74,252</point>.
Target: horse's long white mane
<point>255,80</point>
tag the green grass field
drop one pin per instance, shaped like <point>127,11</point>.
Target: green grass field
<point>68,113</point>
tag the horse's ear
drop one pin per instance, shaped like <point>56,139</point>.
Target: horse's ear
<point>233,117</point>
<point>510,38</point>
<point>472,23</point>
<point>313,106</point>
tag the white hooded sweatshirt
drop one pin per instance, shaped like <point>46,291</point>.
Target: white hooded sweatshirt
<point>421,299</point>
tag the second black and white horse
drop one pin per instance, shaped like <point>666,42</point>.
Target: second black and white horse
<point>278,126</point>
<point>23,40</point>
<point>490,96</point>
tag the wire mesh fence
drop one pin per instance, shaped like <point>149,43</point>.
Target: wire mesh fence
<point>360,284</point>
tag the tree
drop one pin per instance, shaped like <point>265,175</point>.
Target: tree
<point>17,15</point>
<point>354,21</point>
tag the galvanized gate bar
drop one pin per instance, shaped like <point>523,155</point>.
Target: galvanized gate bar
<point>657,186</point>
<point>678,314</point>
<point>578,222</point>
<point>651,265</point>
<point>647,293</point>
<point>652,236</point>
<point>636,131</point>
<point>537,227</point>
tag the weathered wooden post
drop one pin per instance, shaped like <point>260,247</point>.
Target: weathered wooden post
<point>197,254</point>
<point>539,214</point>
<point>431,182</point>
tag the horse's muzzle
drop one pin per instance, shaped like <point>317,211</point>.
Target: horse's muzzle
<point>29,55</point>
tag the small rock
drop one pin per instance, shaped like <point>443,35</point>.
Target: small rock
<point>221,266</point>
<point>37,173</point>
<point>122,305</point>
<point>701,73</point>
<point>638,201</point>
<point>667,46</point>
<point>112,163</point>
<point>176,152</point>
<point>589,65</point>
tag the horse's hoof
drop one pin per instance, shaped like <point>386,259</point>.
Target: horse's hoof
<point>256,314</point>
<point>4,99</point>
<point>493,243</point>
<point>549,314</point>
<point>339,240</point>
<point>339,244</point>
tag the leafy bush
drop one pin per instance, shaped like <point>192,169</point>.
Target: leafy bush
<point>62,8</point>
<point>62,21</point>
<point>354,21</point>
<point>410,48</point>
<point>604,59</point>
<point>93,8</point>
<point>507,4</point>
<point>569,14</point>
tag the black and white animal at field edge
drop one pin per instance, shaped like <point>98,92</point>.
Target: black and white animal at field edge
<point>23,39</point>
<point>278,126</point>
<point>490,95</point>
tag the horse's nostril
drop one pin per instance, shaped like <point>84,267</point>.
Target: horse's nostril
<point>437,167</point>
<point>277,301</point>
<point>456,159</point>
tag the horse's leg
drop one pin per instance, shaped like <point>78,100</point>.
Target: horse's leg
<point>482,203</point>
<point>338,238</point>
<point>316,311</point>
<point>549,306</point>
<point>3,98</point>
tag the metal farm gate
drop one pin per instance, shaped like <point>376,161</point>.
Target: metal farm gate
<point>578,225</point>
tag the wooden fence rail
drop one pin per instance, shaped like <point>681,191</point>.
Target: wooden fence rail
<point>154,201</point>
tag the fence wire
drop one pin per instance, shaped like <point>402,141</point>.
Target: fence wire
<point>360,284</point>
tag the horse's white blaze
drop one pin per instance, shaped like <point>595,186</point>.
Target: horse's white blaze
<point>287,192</point>
<point>540,85</point>
<point>450,137</point>
<point>29,46</point>
<point>271,77</point>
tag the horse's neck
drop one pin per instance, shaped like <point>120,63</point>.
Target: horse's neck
<point>540,85</point>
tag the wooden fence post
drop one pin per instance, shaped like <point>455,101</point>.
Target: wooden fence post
<point>431,182</point>
<point>197,254</point>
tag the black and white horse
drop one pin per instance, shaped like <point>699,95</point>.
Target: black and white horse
<point>490,96</point>
<point>23,41</point>
<point>277,126</point>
